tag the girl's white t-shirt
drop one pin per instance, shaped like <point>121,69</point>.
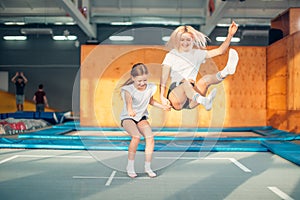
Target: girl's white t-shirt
<point>184,65</point>
<point>140,100</point>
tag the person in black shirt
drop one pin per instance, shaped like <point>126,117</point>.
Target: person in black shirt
<point>40,99</point>
<point>20,81</point>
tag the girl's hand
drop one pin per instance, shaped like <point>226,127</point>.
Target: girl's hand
<point>232,28</point>
<point>167,107</point>
<point>131,113</point>
<point>165,101</point>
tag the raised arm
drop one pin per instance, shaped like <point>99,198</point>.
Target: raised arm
<point>13,79</point>
<point>163,81</point>
<point>224,46</point>
<point>24,78</point>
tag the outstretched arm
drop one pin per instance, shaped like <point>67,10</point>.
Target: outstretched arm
<point>224,46</point>
<point>163,81</point>
<point>155,103</point>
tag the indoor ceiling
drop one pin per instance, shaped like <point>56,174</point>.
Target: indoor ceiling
<point>87,14</point>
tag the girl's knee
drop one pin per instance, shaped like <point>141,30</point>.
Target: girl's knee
<point>176,106</point>
<point>135,139</point>
<point>149,138</point>
<point>205,81</point>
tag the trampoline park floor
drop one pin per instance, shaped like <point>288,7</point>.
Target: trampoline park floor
<point>66,161</point>
<point>79,174</point>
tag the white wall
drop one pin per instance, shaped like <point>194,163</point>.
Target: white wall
<point>4,81</point>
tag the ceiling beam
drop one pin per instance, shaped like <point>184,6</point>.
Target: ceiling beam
<point>83,23</point>
<point>211,21</point>
<point>155,12</point>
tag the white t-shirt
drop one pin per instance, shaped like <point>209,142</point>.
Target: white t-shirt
<point>140,100</point>
<point>184,65</point>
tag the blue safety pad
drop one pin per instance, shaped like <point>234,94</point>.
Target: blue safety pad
<point>287,150</point>
<point>22,115</point>
<point>52,117</point>
<point>77,144</point>
<point>297,137</point>
<point>273,132</point>
<point>3,116</point>
<point>171,129</point>
<point>49,132</point>
<point>211,147</point>
<point>41,144</point>
<point>57,133</point>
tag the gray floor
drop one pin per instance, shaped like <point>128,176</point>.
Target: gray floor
<point>71,175</point>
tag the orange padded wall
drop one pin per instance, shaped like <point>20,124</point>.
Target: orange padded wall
<point>240,101</point>
<point>283,78</point>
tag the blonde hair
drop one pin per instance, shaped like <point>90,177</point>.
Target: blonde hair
<point>137,69</point>
<point>200,39</point>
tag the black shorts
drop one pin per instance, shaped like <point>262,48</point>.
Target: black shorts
<point>136,122</point>
<point>172,87</point>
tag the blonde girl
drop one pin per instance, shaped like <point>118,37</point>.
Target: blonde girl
<point>182,63</point>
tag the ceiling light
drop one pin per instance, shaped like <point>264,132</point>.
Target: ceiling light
<point>34,31</point>
<point>58,23</point>
<point>121,23</point>
<point>14,23</point>
<point>63,37</point>
<point>222,39</point>
<point>165,38</point>
<point>121,38</point>
<point>17,37</point>
<point>223,25</point>
<point>70,23</point>
<point>170,23</point>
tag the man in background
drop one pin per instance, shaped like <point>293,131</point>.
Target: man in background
<point>20,81</point>
<point>40,99</point>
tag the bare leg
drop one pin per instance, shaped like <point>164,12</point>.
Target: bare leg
<point>146,130</point>
<point>132,130</point>
<point>211,79</point>
<point>19,107</point>
<point>203,84</point>
<point>132,147</point>
<point>185,91</point>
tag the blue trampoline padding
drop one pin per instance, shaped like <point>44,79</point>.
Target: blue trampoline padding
<point>171,129</point>
<point>3,116</point>
<point>218,147</point>
<point>58,134</point>
<point>287,150</point>
<point>52,117</point>
<point>22,115</point>
<point>49,132</point>
<point>123,145</point>
<point>274,133</point>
